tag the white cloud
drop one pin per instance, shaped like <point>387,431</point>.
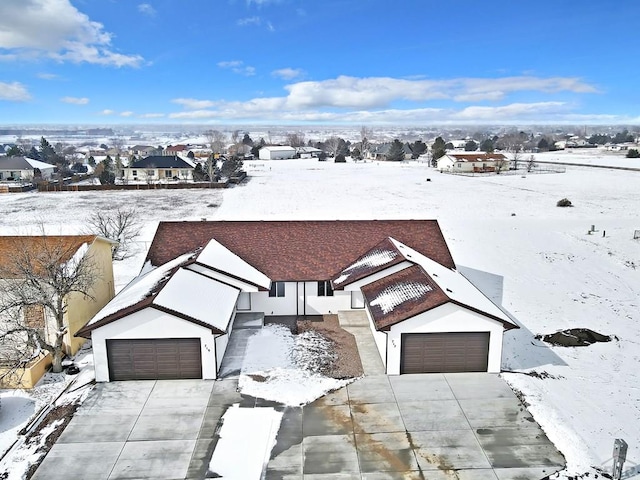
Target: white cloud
<point>107,112</point>
<point>375,92</point>
<point>249,21</point>
<point>238,66</point>
<point>151,115</point>
<point>61,32</point>
<point>193,104</point>
<point>48,76</point>
<point>75,100</point>
<point>147,9</point>
<point>14,92</point>
<point>126,114</point>
<point>287,73</point>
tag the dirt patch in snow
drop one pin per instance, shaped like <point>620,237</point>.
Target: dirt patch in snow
<point>61,414</point>
<point>346,360</point>
<point>574,337</point>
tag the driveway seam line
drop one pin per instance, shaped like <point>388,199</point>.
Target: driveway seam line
<point>155,382</point>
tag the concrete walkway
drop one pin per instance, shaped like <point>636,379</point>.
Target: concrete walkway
<point>357,324</point>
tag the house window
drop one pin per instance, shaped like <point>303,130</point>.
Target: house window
<point>150,173</point>
<point>324,289</point>
<point>277,289</point>
<point>167,173</point>
<point>459,165</point>
<point>184,173</point>
<point>134,173</point>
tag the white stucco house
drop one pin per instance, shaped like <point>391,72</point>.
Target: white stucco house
<point>18,169</point>
<point>174,320</point>
<point>477,162</point>
<point>276,153</point>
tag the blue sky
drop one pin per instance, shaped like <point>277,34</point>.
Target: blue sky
<point>362,62</point>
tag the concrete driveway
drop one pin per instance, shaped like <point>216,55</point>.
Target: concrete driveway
<point>438,426</point>
<point>139,429</point>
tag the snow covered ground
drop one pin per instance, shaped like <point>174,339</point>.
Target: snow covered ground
<point>550,273</point>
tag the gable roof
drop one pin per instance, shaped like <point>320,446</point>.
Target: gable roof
<point>298,250</point>
<point>422,287</point>
<point>383,255</point>
<point>23,163</point>
<point>161,161</point>
<point>62,246</point>
<point>476,157</point>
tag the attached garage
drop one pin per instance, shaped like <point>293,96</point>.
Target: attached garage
<point>158,358</point>
<point>444,352</point>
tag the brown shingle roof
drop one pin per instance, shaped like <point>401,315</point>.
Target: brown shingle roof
<point>402,295</point>
<point>62,247</point>
<point>299,250</point>
<point>383,255</point>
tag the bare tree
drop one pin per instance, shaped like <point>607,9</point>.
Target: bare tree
<point>216,140</point>
<point>501,164</point>
<point>295,139</point>
<point>35,290</point>
<point>516,156</point>
<point>365,138</point>
<point>122,225</point>
<point>331,144</point>
<point>531,163</point>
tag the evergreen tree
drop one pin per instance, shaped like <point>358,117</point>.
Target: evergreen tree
<point>47,153</point>
<point>418,148</point>
<point>396,151</point>
<point>15,151</point>
<point>470,146</point>
<point>487,145</point>
<point>438,149</point>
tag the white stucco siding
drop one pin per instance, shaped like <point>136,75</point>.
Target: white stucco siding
<point>315,305</point>
<point>287,305</point>
<point>151,323</point>
<point>446,318</point>
<point>221,342</point>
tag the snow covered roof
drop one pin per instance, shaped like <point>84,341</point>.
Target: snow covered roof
<point>174,288</point>
<point>277,148</point>
<point>476,157</point>
<point>422,287</point>
<point>378,258</point>
<point>138,293</point>
<point>218,257</point>
<point>192,295</point>
<point>23,163</point>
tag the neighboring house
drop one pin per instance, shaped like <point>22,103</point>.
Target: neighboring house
<point>142,150</point>
<point>276,153</point>
<point>23,169</point>
<point>160,168</point>
<point>176,150</point>
<point>473,162</point>
<point>177,316</point>
<point>308,152</point>
<point>380,152</point>
<point>80,308</point>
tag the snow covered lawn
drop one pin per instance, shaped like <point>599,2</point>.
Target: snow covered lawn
<point>281,367</point>
<point>553,274</point>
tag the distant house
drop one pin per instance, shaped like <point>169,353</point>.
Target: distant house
<point>308,152</point>
<point>276,153</point>
<point>176,150</point>
<point>23,169</point>
<point>142,150</point>
<point>177,316</point>
<point>473,162</point>
<point>159,168</point>
<point>80,308</point>
<point>380,152</point>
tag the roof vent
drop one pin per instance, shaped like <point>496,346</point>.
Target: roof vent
<point>449,290</point>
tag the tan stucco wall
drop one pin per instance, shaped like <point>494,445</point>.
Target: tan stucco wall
<point>81,308</point>
<point>26,377</point>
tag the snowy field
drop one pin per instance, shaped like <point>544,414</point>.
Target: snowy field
<point>550,273</point>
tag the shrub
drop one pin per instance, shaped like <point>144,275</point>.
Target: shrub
<point>633,153</point>
<point>565,202</point>
<point>340,158</point>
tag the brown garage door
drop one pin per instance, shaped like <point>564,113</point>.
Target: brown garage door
<point>154,359</point>
<point>444,352</point>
